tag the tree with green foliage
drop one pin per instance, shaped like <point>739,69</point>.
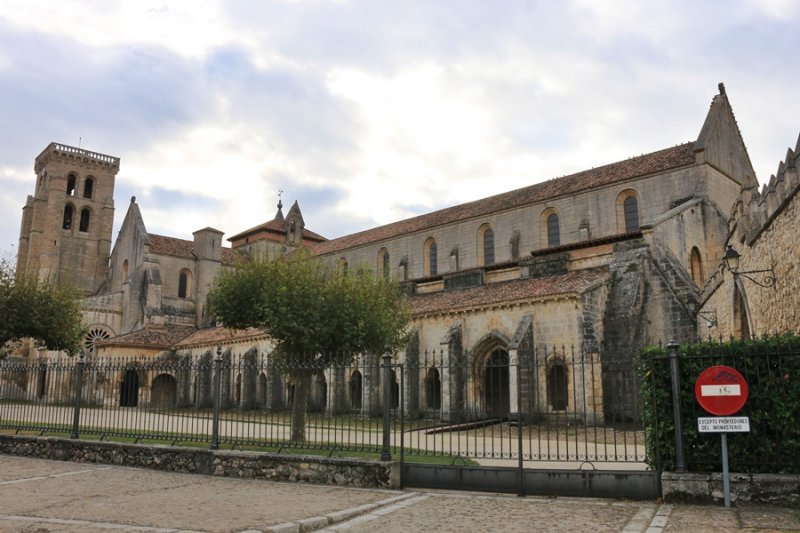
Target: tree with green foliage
<point>47,312</point>
<point>316,316</point>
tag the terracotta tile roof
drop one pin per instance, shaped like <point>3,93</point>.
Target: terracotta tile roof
<point>277,228</point>
<point>162,337</point>
<point>220,334</point>
<point>160,244</point>
<point>679,156</point>
<point>506,292</point>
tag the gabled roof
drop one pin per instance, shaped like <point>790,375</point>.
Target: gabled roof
<point>219,334</point>
<point>159,337</point>
<point>653,163</point>
<point>162,245</point>
<point>275,231</point>
<point>507,292</point>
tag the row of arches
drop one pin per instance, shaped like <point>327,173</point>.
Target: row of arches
<point>628,221</point>
<point>88,186</point>
<point>69,215</point>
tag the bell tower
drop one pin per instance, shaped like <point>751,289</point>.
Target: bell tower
<point>67,223</point>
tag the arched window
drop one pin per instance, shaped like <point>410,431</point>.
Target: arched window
<point>124,270</point>
<point>355,390</point>
<point>696,266</point>
<point>485,245</point>
<point>631,208</point>
<point>384,264</point>
<point>557,385</point>
<point>628,211</point>
<point>433,389</point>
<point>67,222</point>
<point>84,223</point>
<point>430,255</point>
<point>71,185</point>
<point>553,231</point>
<point>184,283</point>
<point>88,188</point>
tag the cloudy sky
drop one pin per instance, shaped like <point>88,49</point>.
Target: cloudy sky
<point>369,111</point>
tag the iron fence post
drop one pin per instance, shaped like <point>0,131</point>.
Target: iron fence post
<point>521,464</point>
<point>217,388</point>
<point>387,400</point>
<point>76,413</point>
<point>674,368</point>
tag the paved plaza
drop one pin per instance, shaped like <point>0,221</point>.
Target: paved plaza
<point>42,496</point>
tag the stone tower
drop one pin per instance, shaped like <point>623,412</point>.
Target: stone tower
<point>67,223</point>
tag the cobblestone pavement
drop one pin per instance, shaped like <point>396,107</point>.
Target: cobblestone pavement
<point>41,496</point>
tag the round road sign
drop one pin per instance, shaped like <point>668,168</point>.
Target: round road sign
<point>721,390</point>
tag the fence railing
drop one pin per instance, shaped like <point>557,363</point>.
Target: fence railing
<point>771,368</point>
<point>544,405</point>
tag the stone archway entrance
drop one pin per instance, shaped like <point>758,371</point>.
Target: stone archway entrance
<point>129,390</point>
<point>496,390</point>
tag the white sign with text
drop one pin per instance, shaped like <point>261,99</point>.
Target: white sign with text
<point>723,424</point>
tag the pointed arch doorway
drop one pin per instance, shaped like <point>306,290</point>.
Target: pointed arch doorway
<point>496,384</point>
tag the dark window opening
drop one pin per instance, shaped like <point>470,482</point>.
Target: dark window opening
<point>67,223</point>
<point>386,265</point>
<point>432,259</point>
<point>84,224</point>
<point>355,390</point>
<point>182,285</point>
<point>88,188</point>
<point>553,231</point>
<point>433,389</point>
<point>557,386</point>
<point>70,185</point>
<point>488,247</point>
<point>631,209</point>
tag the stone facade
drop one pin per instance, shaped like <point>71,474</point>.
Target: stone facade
<point>598,263</point>
<point>763,231</point>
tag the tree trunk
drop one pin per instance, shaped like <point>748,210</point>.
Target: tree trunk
<point>302,385</point>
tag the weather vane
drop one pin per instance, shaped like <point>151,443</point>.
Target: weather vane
<point>280,202</point>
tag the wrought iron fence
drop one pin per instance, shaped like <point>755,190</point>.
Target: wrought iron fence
<point>771,368</point>
<point>551,404</point>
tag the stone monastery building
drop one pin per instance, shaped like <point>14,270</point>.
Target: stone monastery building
<point>599,262</point>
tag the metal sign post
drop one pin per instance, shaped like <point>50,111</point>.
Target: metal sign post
<point>722,390</point>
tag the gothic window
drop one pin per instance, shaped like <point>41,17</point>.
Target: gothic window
<point>433,389</point>
<point>124,270</point>
<point>71,185</point>
<point>741,322</point>
<point>384,263</point>
<point>631,209</point>
<point>184,283</point>
<point>431,257</point>
<point>696,266</point>
<point>84,224</point>
<point>88,188</point>
<point>628,211</point>
<point>557,386</point>
<point>67,222</point>
<point>485,245</point>
<point>355,390</point>
<point>553,231</point>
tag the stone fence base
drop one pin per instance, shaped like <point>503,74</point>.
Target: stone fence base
<point>783,489</point>
<point>256,465</point>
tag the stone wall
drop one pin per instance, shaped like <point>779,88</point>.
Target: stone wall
<point>256,465</point>
<point>773,245</point>
<point>685,487</point>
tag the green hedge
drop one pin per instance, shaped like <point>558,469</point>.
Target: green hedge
<point>771,366</point>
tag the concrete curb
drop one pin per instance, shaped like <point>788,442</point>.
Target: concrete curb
<point>318,522</point>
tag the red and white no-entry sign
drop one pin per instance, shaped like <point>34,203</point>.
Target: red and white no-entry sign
<point>721,390</point>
